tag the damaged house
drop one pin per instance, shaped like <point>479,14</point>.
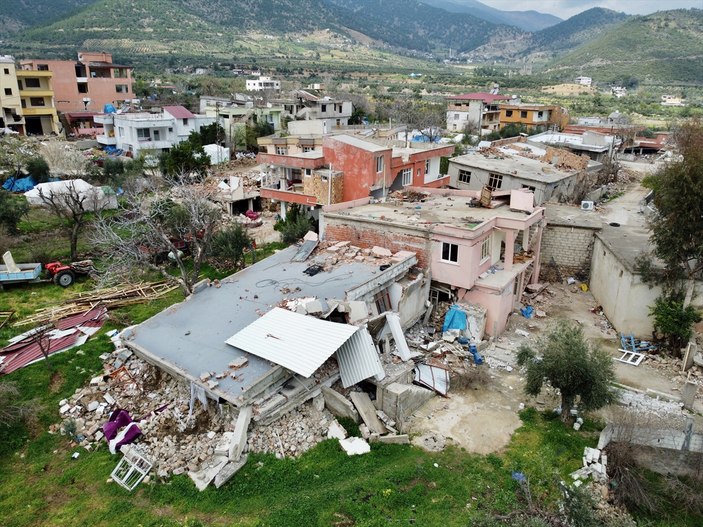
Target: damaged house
<point>477,249</point>
<point>286,329</point>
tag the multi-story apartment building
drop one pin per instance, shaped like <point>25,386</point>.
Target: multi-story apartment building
<point>474,111</point>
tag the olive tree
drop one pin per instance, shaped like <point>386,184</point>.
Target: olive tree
<point>567,362</point>
<point>159,226</point>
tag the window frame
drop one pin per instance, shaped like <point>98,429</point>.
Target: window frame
<point>463,172</point>
<point>141,132</point>
<point>495,181</point>
<point>451,250</point>
<point>380,164</point>
<point>485,249</point>
<point>406,177</point>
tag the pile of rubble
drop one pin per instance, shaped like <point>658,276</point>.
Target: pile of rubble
<point>643,404</point>
<point>294,433</point>
<point>595,465</point>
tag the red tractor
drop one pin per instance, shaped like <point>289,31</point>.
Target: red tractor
<point>64,275</point>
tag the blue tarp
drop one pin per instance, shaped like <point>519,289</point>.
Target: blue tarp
<point>109,108</point>
<point>527,311</point>
<point>18,184</point>
<point>454,319</point>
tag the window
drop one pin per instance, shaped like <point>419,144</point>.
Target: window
<point>8,91</point>
<point>82,87</point>
<point>508,113</point>
<point>20,85</point>
<point>7,71</point>
<point>528,187</point>
<point>456,116</point>
<point>281,150</point>
<point>427,166</point>
<point>42,67</point>
<point>383,301</point>
<point>540,114</point>
<point>170,130</point>
<point>464,176</point>
<point>121,88</point>
<point>32,83</point>
<point>308,172</point>
<point>450,252</point>
<point>143,133</point>
<point>119,73</point>
<point>486,248</point>
<point>407,176</point>
<point>307,149</point>
<point>379,164</point>
<point>185,122</point>
<point>495,181</point>
<point>523,114</point>
<point>37,101</point>
<point>120,131</point>
<point>323,108</point>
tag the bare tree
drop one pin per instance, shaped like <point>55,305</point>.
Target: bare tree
<point>74,206</point>
<point>158,227</point>
<point>12,408</point>
<point>64,159</point>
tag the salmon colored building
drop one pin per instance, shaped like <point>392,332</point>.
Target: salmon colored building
<point>86,84</point>
<point>346,167</point>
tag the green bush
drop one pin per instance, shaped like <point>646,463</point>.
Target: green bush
<point>296,225</point>
<point>674,321</point>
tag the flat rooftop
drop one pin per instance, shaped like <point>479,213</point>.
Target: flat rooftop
<point>188,339</point>
<point>627,243</point>
<point>572,216</point>
<point>513,165</point>
<point>452,209</point>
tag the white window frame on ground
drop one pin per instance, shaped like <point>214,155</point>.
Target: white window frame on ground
<point>485,249</point>
<point>406,176</point>
<point>464,176</point>
<point>379,164</point>
<point>450,252</point>
<point>495,181</point>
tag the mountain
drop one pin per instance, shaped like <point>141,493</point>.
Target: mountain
<point>664,46</point>
<point>525,20</point>
<point>18,14</point>
<point>416,25</point>
<point>578,29</point>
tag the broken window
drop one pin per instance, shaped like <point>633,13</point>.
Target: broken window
<point>450,252</point>
<point>486,248</point>
<point>528,187</point>
<point>379,164</point>
<point>540,114</point>
<point>407,176</point>
<point>464,176</point>
<point>495,181</point>
<point>383,301</point>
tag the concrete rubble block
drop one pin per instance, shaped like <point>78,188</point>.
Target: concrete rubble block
<point>212,384</point>
<point>109,399</point>
<point>339,405</point>
<point>318,402</point>
<point>394,439</point>
<point>205,376</point>
<point>208,471</point>
<point>364,430</point>
<point>367,411</point>
<point>401,256</point>
<point>333,249</point>
<point>355,446</point>
<point>400,401</point>
<point>229,470</point>
<point>65,408</point>
<point>93,405</point>
<point>358,310</point>
<point>222,448</point>
<point>311,237</point>
<point>314,307</point>
<point>239,436</point>
<point>381,252</point>
<point>688,394</point>
<point>239,362</point>
<point>341,244</point>
<point>336,431</point>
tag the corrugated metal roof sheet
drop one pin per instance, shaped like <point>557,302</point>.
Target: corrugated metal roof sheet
<point>297,342</point>
<point>359,360</point>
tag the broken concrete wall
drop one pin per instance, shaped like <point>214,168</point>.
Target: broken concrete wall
<point>569,247</point>
<point>409,298</point>
<point>370,233</point>
<point>400,401</point>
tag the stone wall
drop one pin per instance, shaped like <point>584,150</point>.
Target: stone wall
<point>562,158</point>
<point>367,234</point>
<point>571,248</point>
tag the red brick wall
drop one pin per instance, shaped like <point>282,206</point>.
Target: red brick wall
<point>366,235</point>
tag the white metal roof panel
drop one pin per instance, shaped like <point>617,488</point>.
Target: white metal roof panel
<point>297,342</point>
<point>359,360</point>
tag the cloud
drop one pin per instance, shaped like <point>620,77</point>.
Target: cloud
<point>568,8</point>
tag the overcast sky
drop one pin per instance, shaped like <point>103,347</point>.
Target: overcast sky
<point>567,8</point>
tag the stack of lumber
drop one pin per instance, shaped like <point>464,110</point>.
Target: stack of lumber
<point>111,298</point>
